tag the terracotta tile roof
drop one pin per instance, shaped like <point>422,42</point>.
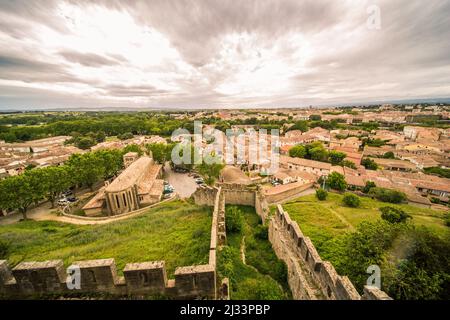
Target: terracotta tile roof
<point>305,162</point>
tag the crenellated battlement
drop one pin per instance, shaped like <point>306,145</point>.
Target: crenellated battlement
<point>309,276</point>
<point>30,279</point>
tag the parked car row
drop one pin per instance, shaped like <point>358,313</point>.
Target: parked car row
<point>67,198</point>
<point>168,188</point>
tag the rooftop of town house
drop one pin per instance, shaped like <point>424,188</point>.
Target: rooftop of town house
<point>131,175</point>
<point>433,185</point>
<point>145,183</point>
<point>231,174</point>
<point>305,162</point>
<point>395,163</point>
<point>293,134</point>
<point>38,142</point>
<point>97,201</point>
<point>131,154</point>
<point>354,180</point>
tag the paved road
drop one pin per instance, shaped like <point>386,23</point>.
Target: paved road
<point>184,185</point>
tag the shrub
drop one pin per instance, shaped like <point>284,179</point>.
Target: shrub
<point>369,164</point>
<point>389,155</point>
<point>348,164</point>
<point>387,195</point>
<point>394,215</point>
<point>336,181</point>
<point>321,194</point>
<point>234,220</point>
<point>4,248</point>
<point>297,152</point>
<point>125,136</point>
<point>447,219</point>
<point>351,200</point>
<point>369,185</point>
<point>262,232</point>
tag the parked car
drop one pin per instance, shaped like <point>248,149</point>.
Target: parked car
<point>71,198</point>
<point>168,189</point>
<point>63,202</point>
<point>180,170</point>
<point>199,181</point>
<point>67,193</point>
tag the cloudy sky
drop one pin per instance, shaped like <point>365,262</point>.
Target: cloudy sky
<point>217,54</point>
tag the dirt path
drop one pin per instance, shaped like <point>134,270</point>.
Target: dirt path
<point>242,249</point>
<point>342,218</point>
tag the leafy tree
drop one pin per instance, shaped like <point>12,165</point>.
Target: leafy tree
<point>369,185</point>
<point>409,282</point>
<point>387,195</point>
<point>348,164</point>
<point>133,148</point>
<point>19,192</point>
<point>365,247</point>
<point>85,143</point>
<point>210,171</point>
<point>298,152</point>
<point>315,117</point>
<point>369,164</point>
<point>125,136</point>
<point>86,168</point>
<point>111,161</point>
<point>441,172</point>
<point>351,200</point>
<point>374,142</point>
<point>336,181</point>
<point>394,215</point>
<point>321,194</point>
<point>100,136</point>
<point>422,272</point>
<point>336,157</point>
<point>370,126</point>
<point>160,152</point>
<point>300,125</point>
<point>318,153</point>
<point>55,180</point>
<point>234,220</point>
<point>389,155</point>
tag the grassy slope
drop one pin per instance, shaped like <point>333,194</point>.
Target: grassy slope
<point>177,232</point>
<point>324,220</point>
<point>263,270</point>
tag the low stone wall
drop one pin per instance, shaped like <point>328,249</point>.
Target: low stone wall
<point>119,216</point>
<point>261,206</point>
<point>239,194</point>
<point>31,279</point>
<point>309,276</point>
<point>288,193</point>
<point>34,279</point>
<point>205,196</point>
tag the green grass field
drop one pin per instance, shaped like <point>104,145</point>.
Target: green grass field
<point>325,220</point>
<point>263,276</point>
<point>177,232</point>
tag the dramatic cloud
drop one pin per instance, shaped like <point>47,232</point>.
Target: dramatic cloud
<point>220,53</point>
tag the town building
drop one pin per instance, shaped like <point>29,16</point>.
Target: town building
<point>138,186</point>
